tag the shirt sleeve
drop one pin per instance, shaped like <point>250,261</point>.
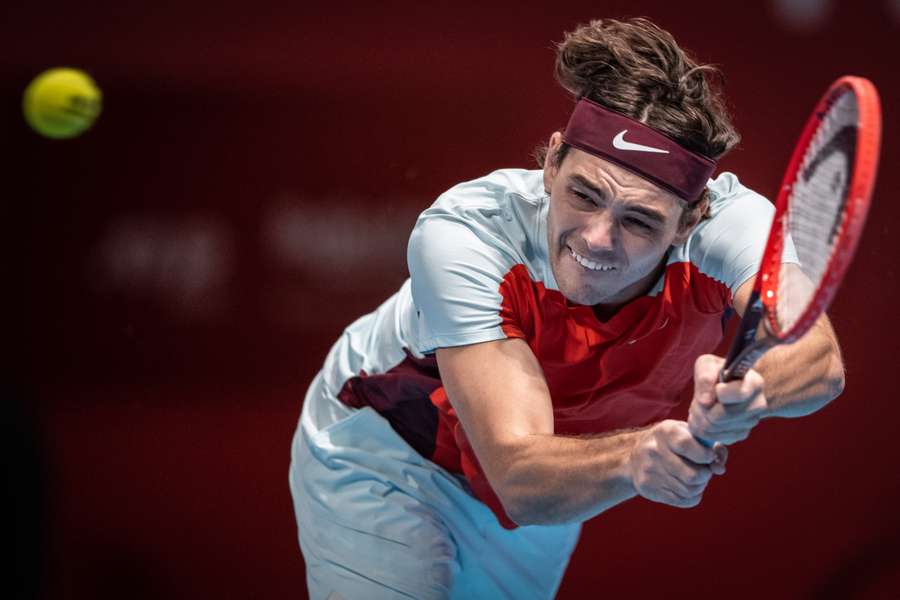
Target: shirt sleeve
<point>456,267</point>
<point>729,245</point>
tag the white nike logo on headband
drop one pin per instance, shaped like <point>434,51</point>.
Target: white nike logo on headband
<point>620,143</point>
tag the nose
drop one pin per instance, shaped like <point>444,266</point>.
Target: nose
<point>601,233</point>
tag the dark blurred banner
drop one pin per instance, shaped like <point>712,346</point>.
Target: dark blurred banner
<point>177,274</point>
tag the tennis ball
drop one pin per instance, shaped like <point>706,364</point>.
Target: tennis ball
<point>61,103</point>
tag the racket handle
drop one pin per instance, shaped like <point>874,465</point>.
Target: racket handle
<point>745,360</point>
<point>737,363</point>
<point>746,349</point>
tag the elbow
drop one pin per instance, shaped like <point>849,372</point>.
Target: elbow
<point>836,383</point>
<point>517,513</point>
<point>523,511</point>
<point>514,480</point>
<point>836,379</point>
<point>836,373</point>
<point>506,483</point>
<point>516,502</point>
<point>528,503</point>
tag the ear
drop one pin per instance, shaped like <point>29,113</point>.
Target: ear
<point>690,220</point>
<point>550,170</point>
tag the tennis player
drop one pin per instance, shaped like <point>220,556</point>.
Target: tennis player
<point>519,382</point>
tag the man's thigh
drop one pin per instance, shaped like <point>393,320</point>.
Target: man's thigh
<point>380,521</point>
<point>362,537</point>
<point>405,553</point>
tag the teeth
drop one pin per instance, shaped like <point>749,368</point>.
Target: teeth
<point>589,264</point>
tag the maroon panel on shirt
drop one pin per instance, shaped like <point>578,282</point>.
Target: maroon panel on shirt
<point>401,395</point>
<point>405,396</point>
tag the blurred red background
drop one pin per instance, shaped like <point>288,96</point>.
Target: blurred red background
<point>176,275</point>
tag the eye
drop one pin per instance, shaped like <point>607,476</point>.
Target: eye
<point>581,196</point>
<point>639,224</point>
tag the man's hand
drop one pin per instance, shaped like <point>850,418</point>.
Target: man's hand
<point>724,412</point>
<point>670,466</point>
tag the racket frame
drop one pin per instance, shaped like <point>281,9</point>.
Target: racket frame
<point>748,347</point>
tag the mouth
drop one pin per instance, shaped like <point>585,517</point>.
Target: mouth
<point>589,264</point>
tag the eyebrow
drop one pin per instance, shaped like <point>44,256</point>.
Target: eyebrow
<point>650,213</point>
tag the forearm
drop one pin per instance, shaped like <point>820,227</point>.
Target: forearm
<point>803,377</point>
<point>502,401</point>
<point>551,479</point>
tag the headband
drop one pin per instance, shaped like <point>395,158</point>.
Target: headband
<point>640,149</point>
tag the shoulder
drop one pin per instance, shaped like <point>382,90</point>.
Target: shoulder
<point>487,196</point>
<point>462,249</point>
<point>729,198</point>
<point>736,214</point>
<point>726,247</point>
<point>501,211</point>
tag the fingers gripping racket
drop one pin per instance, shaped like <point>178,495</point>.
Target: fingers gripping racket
<point>819,216</point>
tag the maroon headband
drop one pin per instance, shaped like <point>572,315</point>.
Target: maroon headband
<point>638,148</point>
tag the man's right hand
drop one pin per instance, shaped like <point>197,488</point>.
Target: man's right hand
<point>670,466</point>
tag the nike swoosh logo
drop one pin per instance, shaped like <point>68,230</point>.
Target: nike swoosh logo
<point>620,143</point>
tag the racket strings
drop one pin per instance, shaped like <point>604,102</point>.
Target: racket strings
<point>817,204</point>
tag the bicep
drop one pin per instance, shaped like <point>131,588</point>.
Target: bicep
<point>500,395</point>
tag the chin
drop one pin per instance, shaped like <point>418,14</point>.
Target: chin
<point>579,293</point>
<point>586,297</point>
<point>573,284</point>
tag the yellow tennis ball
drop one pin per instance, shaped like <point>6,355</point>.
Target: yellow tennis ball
<point>62,103</point>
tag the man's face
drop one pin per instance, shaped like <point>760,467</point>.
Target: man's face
<point>609,229</point>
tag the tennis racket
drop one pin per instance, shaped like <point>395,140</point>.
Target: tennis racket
<point>819,215</point>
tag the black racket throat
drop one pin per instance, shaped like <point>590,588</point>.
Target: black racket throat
<point>746,349</point>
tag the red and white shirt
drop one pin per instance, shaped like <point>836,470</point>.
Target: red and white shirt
<point>479,271</point>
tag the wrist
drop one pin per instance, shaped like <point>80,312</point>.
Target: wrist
<point>626,471</point>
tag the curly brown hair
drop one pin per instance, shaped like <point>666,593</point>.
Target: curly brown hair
<point>637,69</point>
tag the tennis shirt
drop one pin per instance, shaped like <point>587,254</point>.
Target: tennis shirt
<point>480,271</point>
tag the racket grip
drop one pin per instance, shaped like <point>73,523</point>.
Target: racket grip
<point>745,350</point>
<point>741,363</point>
<point>745,360</point>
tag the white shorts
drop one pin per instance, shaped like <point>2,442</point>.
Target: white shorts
<point>377,520</point>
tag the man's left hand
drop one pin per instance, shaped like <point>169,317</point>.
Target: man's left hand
<point>724,412</point>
